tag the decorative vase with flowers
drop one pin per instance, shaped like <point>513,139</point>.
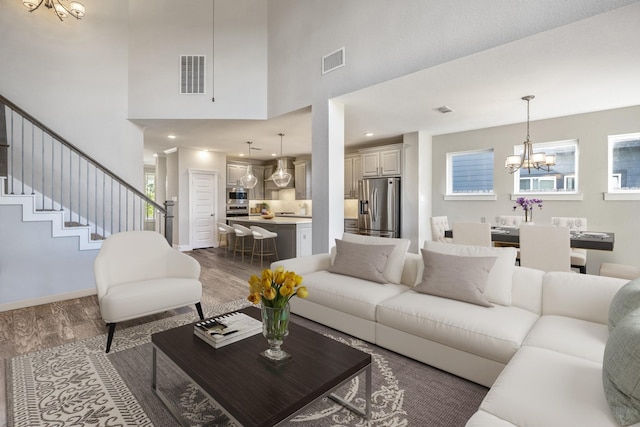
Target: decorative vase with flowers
<point>274,289</point>
<point>527,206</point>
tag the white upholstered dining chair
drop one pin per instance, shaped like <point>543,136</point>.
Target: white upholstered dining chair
<point>472,233</point>
<point>439,224</point>
<point>545,247</point>
<point>578,256</point>
<point>138,274</point>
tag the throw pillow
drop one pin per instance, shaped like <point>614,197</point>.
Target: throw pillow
<point>626,300</point>
<point>393,270</point>
<point>461,278</point>
<point>500,279</point>
<point>363,261</point>
<point>621,370</point>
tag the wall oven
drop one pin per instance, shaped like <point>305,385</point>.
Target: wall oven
<point>237,202</point>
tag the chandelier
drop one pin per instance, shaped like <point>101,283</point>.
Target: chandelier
<point>74,9</point>
<point>281,177</point>
<point>529,159</point>
<point>249,180</point>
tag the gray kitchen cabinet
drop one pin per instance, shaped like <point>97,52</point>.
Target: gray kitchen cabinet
<point>352,173</point>
<point>257,192</point>
<point>382,161</point>
<point>235,171</point>
<point>302,179</point>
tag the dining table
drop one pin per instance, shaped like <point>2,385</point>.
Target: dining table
<point>598,240</point>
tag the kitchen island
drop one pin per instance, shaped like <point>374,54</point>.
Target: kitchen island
<point>294,234</point>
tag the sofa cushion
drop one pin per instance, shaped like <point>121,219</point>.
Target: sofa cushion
<point>393,269</point>
<point>363,261</point>
<point>567,335</point>
<point>493,333</point>
<point>541,387</point>
<point>457,277</point>
<point>626,300</point>
<point>500,279</point>
<point>621,370</point>
<point>348,294</point>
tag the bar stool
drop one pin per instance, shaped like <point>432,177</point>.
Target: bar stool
<point>224,233</point>
<point>241,234</point>
<point>260,235</point>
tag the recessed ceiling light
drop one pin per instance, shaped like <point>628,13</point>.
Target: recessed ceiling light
<point>241,154</point>
<point>273,154</point>
<point>171,136</point>
<point>368,134</point>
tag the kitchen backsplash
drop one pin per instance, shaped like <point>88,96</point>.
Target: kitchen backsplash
<point>287,203</point>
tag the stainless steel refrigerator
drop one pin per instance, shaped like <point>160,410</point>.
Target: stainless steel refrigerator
<point>379,207</point>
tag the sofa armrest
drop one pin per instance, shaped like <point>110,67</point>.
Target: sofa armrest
<point>306,264</point>
<point>581,296</point>
<point>182,265</point>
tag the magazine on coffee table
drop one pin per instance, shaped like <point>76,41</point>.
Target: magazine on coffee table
<point>219,331</point>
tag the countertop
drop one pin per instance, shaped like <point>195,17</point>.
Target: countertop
<point>282,220</point>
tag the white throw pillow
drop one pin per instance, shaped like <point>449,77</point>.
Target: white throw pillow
<point>393,270</point>
<point>500,280</point>
<point>365,262</point>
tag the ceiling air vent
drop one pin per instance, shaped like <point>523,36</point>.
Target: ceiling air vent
<point>192,74</point>
<point>444,109</point>
<point>333,61</point>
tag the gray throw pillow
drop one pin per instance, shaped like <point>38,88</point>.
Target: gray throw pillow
<point>621,370</point>
<point>626,300</point>
<point>462,278</point>
<point>363,261</point>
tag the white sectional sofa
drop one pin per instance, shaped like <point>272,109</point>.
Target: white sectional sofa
<point>539,347</point>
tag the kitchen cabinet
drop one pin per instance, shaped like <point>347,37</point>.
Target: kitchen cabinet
<point>382,161</point>
<point>351,225</point>
<point>257,192</point>
<point>302,179</point>
<point>352,173</point>
<point>270,191</point>
<point>235,171</point>
<point>303,240</point>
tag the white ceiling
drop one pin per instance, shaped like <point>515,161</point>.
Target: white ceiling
<point>591,65</point>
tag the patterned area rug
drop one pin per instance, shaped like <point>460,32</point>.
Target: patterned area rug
<point>78,384</point>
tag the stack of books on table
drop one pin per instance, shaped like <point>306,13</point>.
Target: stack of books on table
<point>226,329</point>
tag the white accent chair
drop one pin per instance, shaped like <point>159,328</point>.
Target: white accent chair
<point>472,233</point>
<point>439,224</point>
<point>545,247</point>
<point>260,235</point>
<point>621,271</point>
<point>138,274</point>
<point>225,232</point>
<point>578,256</point>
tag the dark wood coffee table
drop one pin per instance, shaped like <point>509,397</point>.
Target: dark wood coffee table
<point>250,389</point>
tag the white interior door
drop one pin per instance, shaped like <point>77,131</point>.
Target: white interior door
<point>202,196</point>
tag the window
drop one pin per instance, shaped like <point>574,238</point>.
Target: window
<point>624,163</point>
<point>150,191</point>
<point>470,172</point>
<point>561,178</point>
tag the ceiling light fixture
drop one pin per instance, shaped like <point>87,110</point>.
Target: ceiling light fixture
<point>249,180</point>
<point>368,134</point>
<point>75,9</point>
<point>281,177</point>
<point>529,159</point>
<point>171,136</point>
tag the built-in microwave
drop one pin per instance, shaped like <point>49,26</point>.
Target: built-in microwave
<point>235,195</point>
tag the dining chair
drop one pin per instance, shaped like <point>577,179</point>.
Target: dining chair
<point>545,247</point>
<point>510,221</point>
<point>439,224</point>
<point>578,256</point>
<point>472,233</point>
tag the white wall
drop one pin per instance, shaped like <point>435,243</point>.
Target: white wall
<point>592,131</point>
<point>72,76</point>
<point>384,41</point>
<point>162,30</point>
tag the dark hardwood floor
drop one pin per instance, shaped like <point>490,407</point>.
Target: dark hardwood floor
<point>35,328</point>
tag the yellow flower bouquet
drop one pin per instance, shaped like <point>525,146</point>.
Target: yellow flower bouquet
<point>275,288</point>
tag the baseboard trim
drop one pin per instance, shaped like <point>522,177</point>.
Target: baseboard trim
<point>47,299</point>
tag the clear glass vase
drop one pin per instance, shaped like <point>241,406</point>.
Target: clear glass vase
<point>275,327</point>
